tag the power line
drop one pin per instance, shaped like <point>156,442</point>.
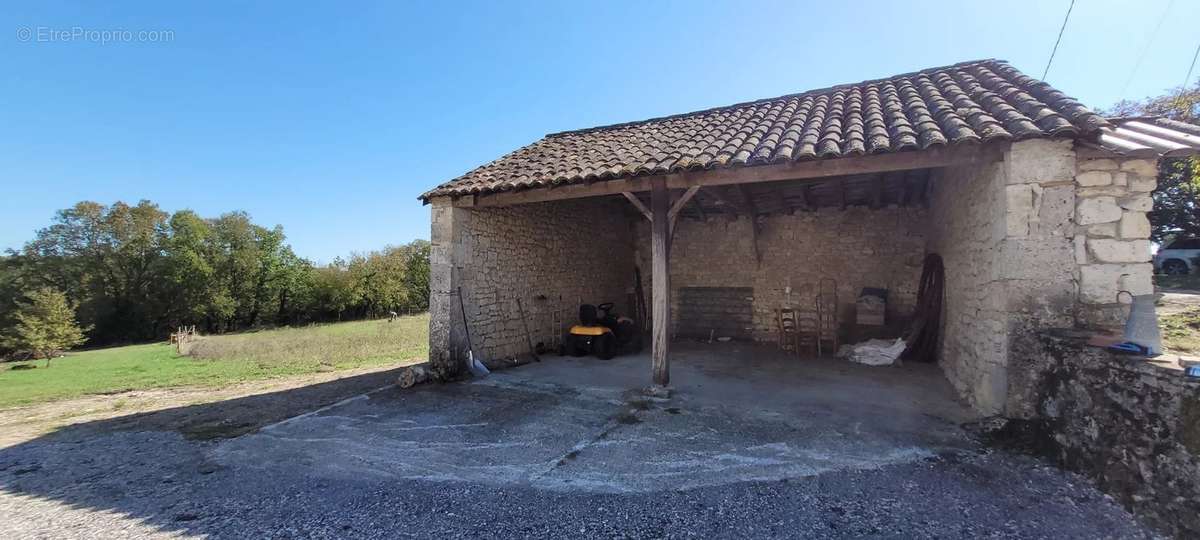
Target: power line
<point>1146,48</point>
<point>1059,40</point>
<point>1189,75</point>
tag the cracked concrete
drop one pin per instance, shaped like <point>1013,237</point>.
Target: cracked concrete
<point>751,445</point>
<point>739,412</point>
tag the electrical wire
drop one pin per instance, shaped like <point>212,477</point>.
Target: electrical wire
<point>1059,40</point>
<point>1146,48</point>
<point>1193,66</point>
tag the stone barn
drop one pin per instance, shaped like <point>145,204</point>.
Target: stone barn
<point>717,221</point>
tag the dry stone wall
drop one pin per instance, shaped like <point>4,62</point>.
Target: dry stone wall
<point>550,255</point>
<point>1131,424</point>
<point>857,247</point>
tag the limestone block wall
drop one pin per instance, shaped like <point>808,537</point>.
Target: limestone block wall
<point>550,255</point>
<point>1112,232</point>
<point>1004,231</point>
<point>858,247</point>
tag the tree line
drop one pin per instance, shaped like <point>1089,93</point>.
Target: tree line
<point>133,273</point>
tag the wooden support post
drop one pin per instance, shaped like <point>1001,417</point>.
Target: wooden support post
<point>660,279</point>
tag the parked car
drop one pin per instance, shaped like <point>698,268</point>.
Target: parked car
<point>1178,257</point>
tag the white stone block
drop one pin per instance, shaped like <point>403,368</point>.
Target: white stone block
<point>1141,167</point>
<point>1098,165</point>
<point>1019,209</point>
<point>1137,203</point>
<point>1097,210</point>
<point>1137,279</point>
<point>1099,283</point>
<point>1101,230</point>
<point>1141,183</point>
<point>1110,250</point>
<point>1094,178</point>
<point>1039,161</point>
<point>1134,225</point>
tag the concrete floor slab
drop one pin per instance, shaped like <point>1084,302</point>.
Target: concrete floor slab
<point>738,412</point>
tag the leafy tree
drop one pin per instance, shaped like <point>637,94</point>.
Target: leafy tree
<point>133,273</point>
<point>1176,211</point>
<point>45,325</point>
<point>417,274</point>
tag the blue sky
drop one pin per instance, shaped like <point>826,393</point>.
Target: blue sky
<point>330,118</point>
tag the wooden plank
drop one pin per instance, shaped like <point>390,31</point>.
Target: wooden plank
<point>800,170</point>
<point>660,283</point>
<point>637,203</point>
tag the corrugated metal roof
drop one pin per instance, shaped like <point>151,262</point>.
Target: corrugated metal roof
<point>1149,137</point>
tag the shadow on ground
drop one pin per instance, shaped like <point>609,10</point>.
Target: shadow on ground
<point>766,446</point>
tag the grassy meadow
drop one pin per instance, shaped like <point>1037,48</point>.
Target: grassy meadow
<point>1181,331</point>
<point>217,360</point>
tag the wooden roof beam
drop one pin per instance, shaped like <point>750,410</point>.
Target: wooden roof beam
<point>799,170</point>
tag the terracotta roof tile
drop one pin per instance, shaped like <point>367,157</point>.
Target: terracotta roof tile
<point>967,103</point>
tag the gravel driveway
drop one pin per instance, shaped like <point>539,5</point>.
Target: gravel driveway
<point>527,453</point>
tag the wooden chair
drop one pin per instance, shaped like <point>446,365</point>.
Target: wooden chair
<point>787,327</point>
<point>807,334</point>
<point>827,315</point>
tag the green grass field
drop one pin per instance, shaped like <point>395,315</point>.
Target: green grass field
<point>218,360</point>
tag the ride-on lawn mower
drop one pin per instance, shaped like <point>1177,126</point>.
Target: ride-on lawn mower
<point>602,333</point>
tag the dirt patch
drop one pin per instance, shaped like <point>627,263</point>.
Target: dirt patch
<point>197,413</point>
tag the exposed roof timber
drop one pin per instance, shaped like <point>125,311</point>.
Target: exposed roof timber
<point>800,170</point>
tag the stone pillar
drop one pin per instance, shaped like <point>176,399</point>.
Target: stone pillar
<point>1031,281</point>
<point>447,258</point>
<point>1112,236</point>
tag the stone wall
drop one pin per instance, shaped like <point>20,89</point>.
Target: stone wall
<point>858,247</point>
<point>1131,424</point>
<point>1004,231</point>
<point>1112,234</point>
<point>550,255</point>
